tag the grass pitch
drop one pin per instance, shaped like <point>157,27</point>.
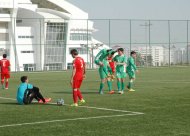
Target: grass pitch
<point>160,106</point>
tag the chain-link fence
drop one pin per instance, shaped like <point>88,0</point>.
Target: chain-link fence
<point>35,44</point>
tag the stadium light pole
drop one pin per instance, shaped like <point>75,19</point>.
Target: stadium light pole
<point>147,28</point>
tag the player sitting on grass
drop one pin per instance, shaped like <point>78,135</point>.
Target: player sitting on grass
<point>78,74</point>
<point>27,92</point>
<point>120,61</point>
<point>101,60</point>
<point>131,69</point>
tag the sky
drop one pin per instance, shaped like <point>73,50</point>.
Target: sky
<point>135,9</point>
<point>138,9</point>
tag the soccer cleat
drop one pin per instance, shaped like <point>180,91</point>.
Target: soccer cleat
<point>46,100</point>
<point>111,92</point>
<point>82,102</point>
<point>101,92</point>
<point>74,105</point>
<point>131,90</point>
<point>6,88</point>
<point>121,92</point>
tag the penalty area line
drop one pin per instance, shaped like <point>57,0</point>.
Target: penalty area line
<point>89,107</point>
<point>64,120</point>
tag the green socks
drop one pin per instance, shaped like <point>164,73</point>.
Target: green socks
<point>109,85</point>
<point>101,87</point>
<point>119,85</point>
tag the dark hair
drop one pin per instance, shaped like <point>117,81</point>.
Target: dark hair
<point>23,79</point>
<point>133,52</point>
<point>120,49</point>
<point>108,50</point>
<point>4,55</point>
<point>74,52</point>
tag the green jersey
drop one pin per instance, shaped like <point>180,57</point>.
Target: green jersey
<point>101,57</point>
<point>120,68</point>
<point>120,59</point>
<point>131,66</point>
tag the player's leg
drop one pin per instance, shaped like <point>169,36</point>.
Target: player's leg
<point>7,76</point>
<point>123,76</point>
<point>75,93</point>
<point>38,95</point>
<point>103,79</point>
<point>2,81</point>
<point>131,80</point>
<point>122,85</point>
<point>82,101</point>
<point>109,83</point>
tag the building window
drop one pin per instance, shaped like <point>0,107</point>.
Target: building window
<point>26,36</point>
<point>3,25</point>
<point>4,37</point>
<point>27,51</point>
<point>29,67</point>
<point>80,37</point>
<point>54,49</point>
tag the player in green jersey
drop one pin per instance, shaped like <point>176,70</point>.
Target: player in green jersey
<point>101,60</point>
<point>121,62</point>
<point>131,69</point>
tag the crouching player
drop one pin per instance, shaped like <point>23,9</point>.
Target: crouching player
<point>27,92</point>
<point>131,69</point>
<point>102,62</point>
<point>77,77</point>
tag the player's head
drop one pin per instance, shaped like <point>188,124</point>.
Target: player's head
<point>111,53</point>
<point>133,54</point>
<point>74,53</point>
<point>120,51</point>
<point>4,55</point>
<point>24,79</point>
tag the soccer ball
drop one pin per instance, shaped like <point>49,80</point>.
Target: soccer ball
<point>60,102</point>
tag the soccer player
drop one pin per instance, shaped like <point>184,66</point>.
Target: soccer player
<point>101,60</point>
<point>27,92</point>
<point>121,62</point>
<point>131,69</point>
<point>5,74</point>
<point>78,74</point>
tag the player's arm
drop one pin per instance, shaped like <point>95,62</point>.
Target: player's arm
<point>73,73</point>
<point>133,64</point>
<point>97,59</point>
<point>84,70</point>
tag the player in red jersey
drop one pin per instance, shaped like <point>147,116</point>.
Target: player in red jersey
<point>5,74</point>
<point>77,77</point>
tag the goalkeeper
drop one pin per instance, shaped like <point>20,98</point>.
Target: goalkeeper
<point>104,69</point>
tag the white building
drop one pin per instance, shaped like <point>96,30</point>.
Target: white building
<point>159,55</point>
<point>39,34</point>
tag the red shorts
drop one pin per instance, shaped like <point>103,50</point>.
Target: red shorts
<point>5,75</point>
<point>77,83</point>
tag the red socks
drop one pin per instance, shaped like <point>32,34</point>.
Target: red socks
<point>77,94</point>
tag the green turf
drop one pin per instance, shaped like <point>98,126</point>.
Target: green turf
<point>162,94</point>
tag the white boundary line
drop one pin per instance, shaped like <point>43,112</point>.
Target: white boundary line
<point>64,120</point>
<point>88,107</point>
<point>129,113</point>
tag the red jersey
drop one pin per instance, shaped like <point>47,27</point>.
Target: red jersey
<point>79,65</point>
<point>4,64</point>
<point>111,63</point>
